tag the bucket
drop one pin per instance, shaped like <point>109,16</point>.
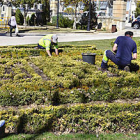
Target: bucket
<point>89,58</point>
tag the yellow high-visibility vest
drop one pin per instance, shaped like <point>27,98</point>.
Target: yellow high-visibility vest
<point>46,42</point>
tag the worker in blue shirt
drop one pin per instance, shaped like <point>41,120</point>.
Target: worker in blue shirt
<point>124,46</point>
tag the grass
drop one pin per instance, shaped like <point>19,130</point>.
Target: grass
<point>51,136</point>
<point>100,44</point>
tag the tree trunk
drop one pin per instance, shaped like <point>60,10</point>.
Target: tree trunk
<point>74,23</point>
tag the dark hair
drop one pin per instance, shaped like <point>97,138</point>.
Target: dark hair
<point>13,14</point>
<point>128,33</point>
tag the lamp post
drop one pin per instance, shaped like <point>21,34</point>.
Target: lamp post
<point>57,26</point>
<point>88,27</point>
<point>24,13</point>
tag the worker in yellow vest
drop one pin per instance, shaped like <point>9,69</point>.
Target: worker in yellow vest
<point>47,42</point>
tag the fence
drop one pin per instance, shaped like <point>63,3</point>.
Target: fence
<point>4,22</point>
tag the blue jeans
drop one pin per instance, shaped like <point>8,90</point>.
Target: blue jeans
<point>110,55</point>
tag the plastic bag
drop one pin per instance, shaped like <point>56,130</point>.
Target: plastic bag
<point>16,30</point>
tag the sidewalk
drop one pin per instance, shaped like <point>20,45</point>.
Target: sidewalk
<point>32,38</point>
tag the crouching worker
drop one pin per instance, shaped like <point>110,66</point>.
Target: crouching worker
<point>124,46</point>
<point>47,42</point>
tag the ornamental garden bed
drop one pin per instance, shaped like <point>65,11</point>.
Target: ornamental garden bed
<point>65,94</point>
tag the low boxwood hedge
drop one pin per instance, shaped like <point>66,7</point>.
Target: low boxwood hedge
<point>82,118</point>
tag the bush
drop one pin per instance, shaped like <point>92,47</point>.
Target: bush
<point>19,17</point>
<point>50,24</point>
<point>80,118</point>
<point>32,19</point>
<point>28,20</point>
<point>64,22</point>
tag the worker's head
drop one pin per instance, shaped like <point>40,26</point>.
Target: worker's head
<point>54,39</point>
<point>13,14</point>
<point>129,33</point>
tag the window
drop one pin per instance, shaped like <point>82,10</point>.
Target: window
<point>3,8</point>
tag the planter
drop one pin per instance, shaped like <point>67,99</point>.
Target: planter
<point>89,58</point>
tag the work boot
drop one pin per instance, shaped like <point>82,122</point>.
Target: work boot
<point>127,68</point>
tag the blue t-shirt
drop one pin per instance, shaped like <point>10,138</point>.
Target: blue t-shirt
<point>125,47</point>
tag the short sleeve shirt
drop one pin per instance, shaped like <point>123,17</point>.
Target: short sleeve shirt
<point>125,47</point>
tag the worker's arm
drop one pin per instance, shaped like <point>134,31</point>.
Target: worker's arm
<point>56,48</point>
<point>134,56</point>
<point>114,47</point>
<point>47,45</point>
<point>56,51</point>
<point>48,52</point>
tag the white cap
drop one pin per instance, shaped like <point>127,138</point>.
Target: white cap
<point>55,38</point>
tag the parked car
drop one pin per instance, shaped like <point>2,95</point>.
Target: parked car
<point>136,23</point>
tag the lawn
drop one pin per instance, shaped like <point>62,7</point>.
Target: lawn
<point>100,44</point>
<point>51,136</point>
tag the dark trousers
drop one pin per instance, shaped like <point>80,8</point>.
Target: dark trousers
<point>110,55</point>
<point>41,47</point>
<point>11,28</point>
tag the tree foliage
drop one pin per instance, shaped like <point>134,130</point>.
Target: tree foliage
<point>137,13</point>
<point>93,17</point>
<point>19,17</point>
<point>45,3</point>
<point>75,4</point>
<point>69,10</point>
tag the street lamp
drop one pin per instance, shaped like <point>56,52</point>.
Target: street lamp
<point>88,27</point>
<point>25,11</point>
<point>57,26</point>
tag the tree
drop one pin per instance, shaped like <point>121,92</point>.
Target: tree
<point>75,3</point>
<point>93,17</point>
<point>137,13</point>
<point>19,17</point>
<point>45,3</point>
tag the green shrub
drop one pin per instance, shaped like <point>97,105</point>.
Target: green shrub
<point>50,24</point>
<point>19,17</point>
<point>63,21</point>
<point>28,20</point>
<point>80,118</point>
<point>32,20</point>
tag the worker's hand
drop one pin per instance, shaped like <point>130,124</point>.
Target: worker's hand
<point>134,56</point>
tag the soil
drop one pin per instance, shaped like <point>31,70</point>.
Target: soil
<point>123,101</point>
<point>38,71</point>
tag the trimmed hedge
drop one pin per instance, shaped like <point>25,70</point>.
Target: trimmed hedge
<point>68,79</point>
<point>29,77</point>
<point>82,118</point>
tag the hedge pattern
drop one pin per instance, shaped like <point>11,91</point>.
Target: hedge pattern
<point>68,78</point>
<point>60,92</point>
